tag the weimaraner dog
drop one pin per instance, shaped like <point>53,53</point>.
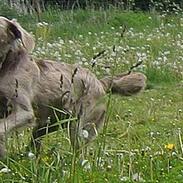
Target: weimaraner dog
<point>28,87</point>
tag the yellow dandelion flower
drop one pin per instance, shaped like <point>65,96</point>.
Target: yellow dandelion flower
<point>170,146</point>
<point>46,159</point>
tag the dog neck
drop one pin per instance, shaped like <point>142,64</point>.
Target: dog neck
<point>12,60</point>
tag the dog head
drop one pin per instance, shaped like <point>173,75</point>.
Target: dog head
<point>13,35</point>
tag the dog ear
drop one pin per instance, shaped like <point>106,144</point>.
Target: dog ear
<point>19,33</point>
<point>15,31</point>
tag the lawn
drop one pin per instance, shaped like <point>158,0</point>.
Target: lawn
<point>143,138</point>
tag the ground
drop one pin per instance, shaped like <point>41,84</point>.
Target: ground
<point>142,138</point>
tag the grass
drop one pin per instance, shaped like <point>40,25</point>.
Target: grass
<point>144,133</point>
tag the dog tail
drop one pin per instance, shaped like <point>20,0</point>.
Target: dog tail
<point>125,84</point>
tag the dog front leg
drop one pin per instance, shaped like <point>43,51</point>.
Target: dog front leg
<point>16,119</point>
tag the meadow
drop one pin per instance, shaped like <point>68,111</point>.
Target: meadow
<point>142,138</point>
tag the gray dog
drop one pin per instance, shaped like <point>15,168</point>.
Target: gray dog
<point>28,87</point>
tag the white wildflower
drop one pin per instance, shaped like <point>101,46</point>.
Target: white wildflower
<point>174,153</point>
<point>113,54</point>
<point>61,41</point>
<point>107,70</point>
<point>87,44</point>
<point>84,59</point>
<point>86,63</point>
<point>5,170</point>
<point>68,55</point>
<point>86,164</point>
<point>80,36</point>
<point>45,23</point>
<point>80,63</point>
<point>94,48</point>
<point>71,42</point>
<point>78,52</point>
<point>31,155</point>
<point>124,179</point>
<point>84,134</point>
<point>152,134</point>
<point>39,24</point>
<point>137,177</point>
<point>49,45</point>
